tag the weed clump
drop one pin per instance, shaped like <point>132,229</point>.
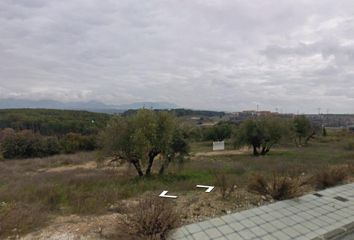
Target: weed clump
<point>330,177</point>
<point>225,184</point>
<point>279,188</point>
<point>153,219</point>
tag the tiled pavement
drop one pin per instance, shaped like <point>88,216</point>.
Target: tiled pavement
<point>329,215</point>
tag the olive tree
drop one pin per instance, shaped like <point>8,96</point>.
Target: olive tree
<point>261,134</point>
<point>302,130</point>
<point>140,138</point>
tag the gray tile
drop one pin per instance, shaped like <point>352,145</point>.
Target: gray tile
<point>257,220</point>
<point>233,236</point>
<point>246,234</point>
<point>205,225</point>
<point>237,226</point>
<point>200,236</point>
<point>217,222</point>
<point>281,235</point>
<point>268,227</point>
<point>193,228</point>
<point>291,232</point>
<point>226,229</point>
<point>213,233</point>
<point>306,218</point>
<point>302,229</point>
<point>247,223</point>
<point>258,231</point>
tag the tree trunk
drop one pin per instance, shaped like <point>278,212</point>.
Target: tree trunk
<point>264,151</point>
<point>165,165</point>
<point>266,148</point>
<point>137,166</point>
<point>255,152</point>
<point>310,136</point>
<point>152,154</point>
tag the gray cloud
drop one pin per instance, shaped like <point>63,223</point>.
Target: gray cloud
<point>229,55</point>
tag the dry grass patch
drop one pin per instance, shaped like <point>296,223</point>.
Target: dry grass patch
<point>226,184</point>
<point>153,218</point>
<point>330,177</point>
<point>19,218</point>
<point>279,188</point>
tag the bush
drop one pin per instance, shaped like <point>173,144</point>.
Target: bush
<point>226,185</point>
<point>330,177</point>
<point>218,132</point>
<point>153,218</point>
<point>26,144</point>
<point>74,142</point>
<point>279,188</point>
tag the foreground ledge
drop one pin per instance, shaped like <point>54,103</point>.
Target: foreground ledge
<point>325,215</point>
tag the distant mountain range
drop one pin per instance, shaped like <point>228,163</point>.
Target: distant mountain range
<point>94,106</point>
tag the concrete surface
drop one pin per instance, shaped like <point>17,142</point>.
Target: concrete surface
<point>328,214</point>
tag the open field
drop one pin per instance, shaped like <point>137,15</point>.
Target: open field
<point>70,191</point>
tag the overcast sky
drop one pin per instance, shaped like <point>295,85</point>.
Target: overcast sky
<point>206,54</point>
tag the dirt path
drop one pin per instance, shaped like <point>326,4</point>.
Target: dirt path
<point>87,165</point>
<point>74,227</point>
<point>219,153</point>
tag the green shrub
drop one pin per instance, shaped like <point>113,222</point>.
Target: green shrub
<point>26,144</point>
<point>74,142</point>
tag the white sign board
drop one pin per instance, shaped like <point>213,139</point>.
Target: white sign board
<point>217,146</point>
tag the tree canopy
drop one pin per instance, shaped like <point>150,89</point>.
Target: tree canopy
<point>260,133</point>
<point>139,138</point>
<point>302,129</point>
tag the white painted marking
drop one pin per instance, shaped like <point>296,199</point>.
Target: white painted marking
<point>209,188</point>
<point>163,194</point>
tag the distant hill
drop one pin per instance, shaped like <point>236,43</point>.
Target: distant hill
<point>94,106</point>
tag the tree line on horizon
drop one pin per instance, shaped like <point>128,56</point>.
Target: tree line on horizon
<point>138,137</point>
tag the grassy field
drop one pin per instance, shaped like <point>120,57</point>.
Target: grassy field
<point>72,184</point>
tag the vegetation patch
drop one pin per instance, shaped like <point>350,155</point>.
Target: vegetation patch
<point>279,187</point>
<point>153,218</point>
<point>331,176</point>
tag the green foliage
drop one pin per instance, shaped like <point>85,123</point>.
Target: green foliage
<point>141,137</point>
<point>74,142</point>
<point>302,128</point>
<point>53,122</point>
<point>26,144</point>
<point>218,132</point>
<point>260,133</point>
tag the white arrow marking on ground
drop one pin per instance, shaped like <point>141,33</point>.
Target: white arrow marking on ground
<point>209,188</point>
<point>163,194</point>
